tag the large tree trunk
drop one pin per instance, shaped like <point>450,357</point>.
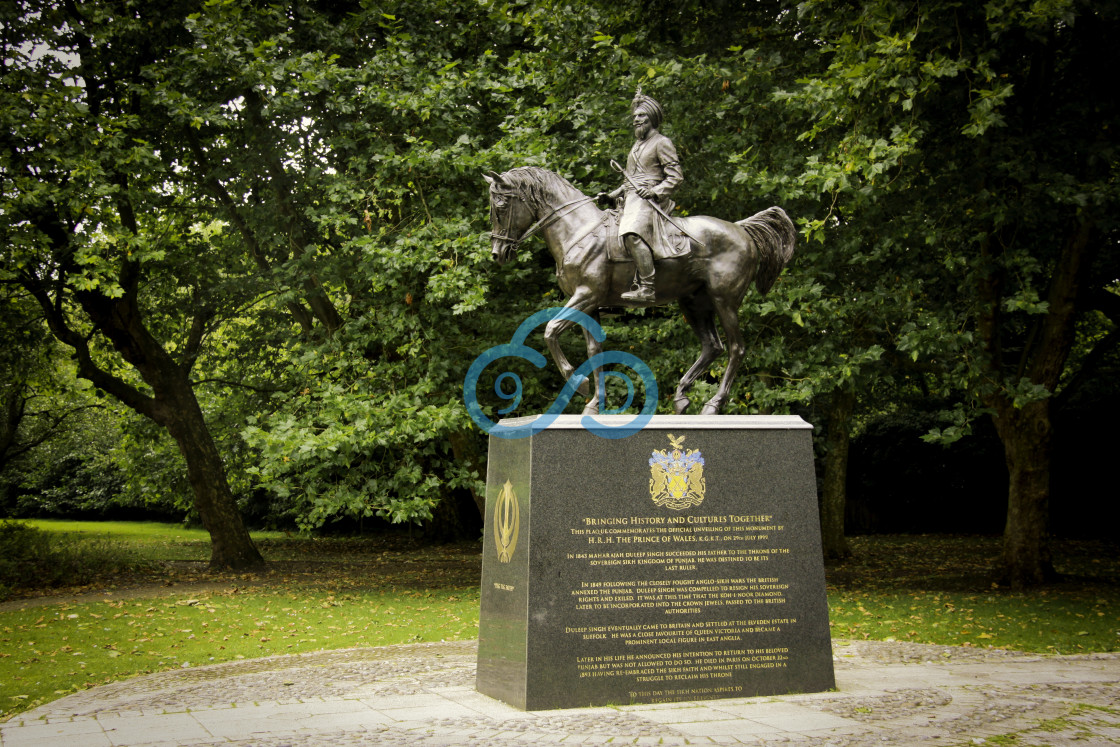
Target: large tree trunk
<point>467,450</point>
<point>1025,430</point>
<point>174,406</point>
<point>230,544</point>
<point>1025,433</point>
<point>834,495</point>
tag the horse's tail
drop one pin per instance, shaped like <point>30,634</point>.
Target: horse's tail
<point>775,236</point>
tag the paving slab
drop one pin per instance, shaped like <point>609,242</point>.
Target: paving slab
<point>423,694</point>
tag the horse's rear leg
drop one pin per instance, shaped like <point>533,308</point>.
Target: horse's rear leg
<point>728,311</point>
<point>701,317</point>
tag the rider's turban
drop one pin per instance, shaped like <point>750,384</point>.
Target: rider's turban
<point>643,103</point>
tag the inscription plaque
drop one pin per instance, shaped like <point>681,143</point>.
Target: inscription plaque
<point>681,563</point>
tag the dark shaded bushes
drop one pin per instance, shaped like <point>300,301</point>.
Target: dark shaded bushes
<point>33,559</point>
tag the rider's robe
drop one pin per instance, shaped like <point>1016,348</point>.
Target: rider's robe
<point>653,164</point>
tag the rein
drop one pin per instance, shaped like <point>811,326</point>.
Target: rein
<point>553,215</point>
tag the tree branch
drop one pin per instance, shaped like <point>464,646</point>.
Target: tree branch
<point>1049,355</point>
<point>280,184</point>
<point>1090,363</point>
<point>87,368</point>
<point>1106,302</point>
<point>195,337</point>
<point>8,452</point>
<point>230,208</point>
<point>239,385</point>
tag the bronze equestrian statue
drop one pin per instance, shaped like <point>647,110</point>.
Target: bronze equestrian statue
<point>704,264</point>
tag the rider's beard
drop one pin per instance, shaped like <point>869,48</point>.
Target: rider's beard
<point>642,130</point>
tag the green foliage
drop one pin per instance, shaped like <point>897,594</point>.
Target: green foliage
<point>950,142</point>
<point>309,217</point>
<point>70,473</point>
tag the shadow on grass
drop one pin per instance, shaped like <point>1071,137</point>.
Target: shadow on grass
<point>883,563</point>
<point>963,563</point>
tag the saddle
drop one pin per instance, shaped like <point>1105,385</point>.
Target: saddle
<point>669,242</point>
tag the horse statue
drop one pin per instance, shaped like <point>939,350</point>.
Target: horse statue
<point>708,280</point>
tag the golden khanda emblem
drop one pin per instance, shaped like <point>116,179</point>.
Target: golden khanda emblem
<point>507,522</point>
<point>676,476</point>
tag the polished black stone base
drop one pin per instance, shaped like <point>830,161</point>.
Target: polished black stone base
<point>681,563</point>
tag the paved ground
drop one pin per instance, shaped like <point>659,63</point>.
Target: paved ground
<point>888,693</point>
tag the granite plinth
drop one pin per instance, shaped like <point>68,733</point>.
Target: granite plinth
<point>681,563</point>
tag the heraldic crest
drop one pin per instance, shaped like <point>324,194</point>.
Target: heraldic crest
<point>676,478</point>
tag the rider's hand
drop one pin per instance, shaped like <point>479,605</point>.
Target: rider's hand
<point>645,193</point>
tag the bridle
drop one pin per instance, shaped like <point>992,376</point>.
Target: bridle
<point>503,233</point>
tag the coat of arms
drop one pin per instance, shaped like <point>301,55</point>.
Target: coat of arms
<point>676,476</point>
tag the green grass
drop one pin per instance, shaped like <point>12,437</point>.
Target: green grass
<point>52,651</point>
<point>317,594</point>
<point>329,593</point>
<point>938,589</point>
<point>1043,622</point>
<point>36,559</point>
<point>151,540</point>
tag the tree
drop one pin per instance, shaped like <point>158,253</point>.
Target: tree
<point>982,127</point>
<point>361,137</point>
<point>96,232</point>
<point>269,220</point>
<point>268,217</point>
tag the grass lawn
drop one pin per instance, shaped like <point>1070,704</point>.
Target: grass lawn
<point>936,589</point>
<point>328,593</point>
<point>55,650</point>
<point>317,594</point>
<point>152,540</point>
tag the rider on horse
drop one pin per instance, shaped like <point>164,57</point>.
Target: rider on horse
<point>652,173</point>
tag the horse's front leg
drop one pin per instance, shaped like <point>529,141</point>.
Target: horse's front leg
<point>594,347</point>
<point>701,317</point>
<point>582,301</point>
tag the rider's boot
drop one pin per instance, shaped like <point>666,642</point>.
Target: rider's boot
<point>643,258</point>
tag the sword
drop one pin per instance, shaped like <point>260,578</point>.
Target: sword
<point>654,205</point>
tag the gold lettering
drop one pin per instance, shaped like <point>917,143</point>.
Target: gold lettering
<point>610,520</point>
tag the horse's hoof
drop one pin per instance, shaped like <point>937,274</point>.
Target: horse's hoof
<point>591,408</point>
<point>584,388</point>
<point>680,404</point>
<point>711,409</point>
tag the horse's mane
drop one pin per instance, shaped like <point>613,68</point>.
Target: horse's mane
<point>540,188</point>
